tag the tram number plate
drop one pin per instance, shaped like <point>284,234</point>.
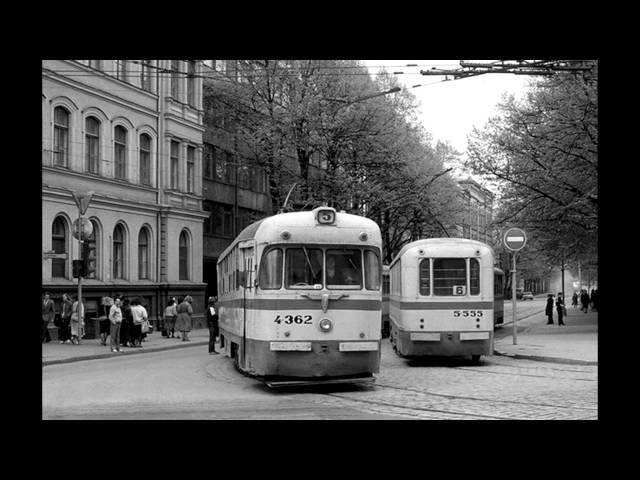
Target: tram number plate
<point>467,313</point>
<point>293,319</point>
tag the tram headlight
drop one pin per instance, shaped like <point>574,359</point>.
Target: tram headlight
<point>325,325</point>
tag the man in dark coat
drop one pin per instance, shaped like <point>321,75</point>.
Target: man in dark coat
<point>560,308</point>
<point>65,327</point>
<point>548,311</point>
<point>48,314</point>
<point>584,300</point>
<point>212,323</point>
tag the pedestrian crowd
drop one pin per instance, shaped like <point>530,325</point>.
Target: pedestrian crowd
<point>583,298</point>
<point>124,321</point>
<point>586,301</point>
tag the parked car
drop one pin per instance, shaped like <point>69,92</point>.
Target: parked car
<point>527,296</point>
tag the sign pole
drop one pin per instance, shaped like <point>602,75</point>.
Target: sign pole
<point>513,300</point>
<point>80,309</point>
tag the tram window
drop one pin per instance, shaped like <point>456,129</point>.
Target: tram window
<point>303,267</point>
<point>344,269</point>
<point>424,277</point>
<point>271,270</point>
<point>371,270</point>
<point>448,272</point>
<point>474,276</point>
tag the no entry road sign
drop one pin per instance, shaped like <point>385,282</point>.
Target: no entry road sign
<point>515,239</point>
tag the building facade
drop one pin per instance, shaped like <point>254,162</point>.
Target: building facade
<point>475,223</point>
<point>132,136</point>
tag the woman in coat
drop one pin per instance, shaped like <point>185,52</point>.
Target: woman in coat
<point>170,313</point>
<point>548,311</point>
<point>183,319</point>
<point>560,307</point>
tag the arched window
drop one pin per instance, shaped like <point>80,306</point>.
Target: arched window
<point>92,144</point>
<point>145,159</point>
<point>143,254</point>
<point>183,255</point>
<point>118,252</point>
<point>61,137</point>
<point>59,245</point>
<point>120,151</point>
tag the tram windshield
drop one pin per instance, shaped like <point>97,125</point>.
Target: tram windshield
<point>303,267</point>
<point>344,269</point>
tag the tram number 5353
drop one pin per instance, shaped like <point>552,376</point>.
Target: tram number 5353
<point>467,313</point>
<point>293,319</point>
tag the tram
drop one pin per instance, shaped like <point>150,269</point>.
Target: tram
<point>386,285</point>
<point>300,300</point>
<point>498,296</point>
<point>442,298</point>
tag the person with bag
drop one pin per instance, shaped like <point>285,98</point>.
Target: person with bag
<point>77,322</point>
<point>139,314</point>
<point>48,314</point>
<point>212,323</point>
<point>115,319</point>
<point>170,313</point>
<point>183,319</point>
<point>64,332</point>
<point>560,308</point>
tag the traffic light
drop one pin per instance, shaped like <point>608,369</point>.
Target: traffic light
<point>78,268</point>
<point>89,260</point>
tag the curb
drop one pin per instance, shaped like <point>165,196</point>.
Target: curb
<point>196,343</point>
<point>538,358</point>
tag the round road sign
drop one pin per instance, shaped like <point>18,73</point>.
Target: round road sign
<point>87,228</point>
<point>515,239</point>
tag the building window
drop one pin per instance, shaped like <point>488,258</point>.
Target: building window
<point>145,75</point>
<point>121,70</point>
<point>118,252</point>
<point>120,152</point>
<point>97,64</point>
<point>222,220</point>
<point>183,255</point>
<point>143,254</point>
<point>191,167</point>
<point>191,83</point>
<point>92,145</point>
<point>145,159</point>
<point>175,79</point>
<point>175,159</point>
<point>61,137</point>
<point>208,222</point>
<point>59,245</point>
<point>209,160</point>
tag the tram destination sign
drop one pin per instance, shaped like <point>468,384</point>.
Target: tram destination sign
<point>515,239</point>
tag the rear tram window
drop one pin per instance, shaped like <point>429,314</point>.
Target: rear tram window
<point>474,276</point>
<point>424,277</point>
<point>447,273</point>
<point>303,267</point>
<point>371,270</point>
<point>271,270</point>
<point>344,269</point>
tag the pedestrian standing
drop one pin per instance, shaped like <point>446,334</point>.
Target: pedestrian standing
<point>170,313</point>
<point>584,300</point>
<point>48,314</point>
<point>560,308</point>
<point>127,323</point>
<point>105,323</point>
<point>77,322</point>
<point>64,332</point>
<point>594,300</point>
<point>574,300</point>
<point>212,323</point>
<point>548,311</point>
<point>183,319</point>
<point>115,319</point>
<point>139,315</point>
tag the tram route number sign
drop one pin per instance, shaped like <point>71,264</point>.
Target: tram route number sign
<point>515,239</point>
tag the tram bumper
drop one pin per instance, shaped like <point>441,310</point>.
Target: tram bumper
<point>316,359</point>
<point>444,344</point>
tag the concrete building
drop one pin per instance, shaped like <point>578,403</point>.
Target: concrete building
<point>133,136</point>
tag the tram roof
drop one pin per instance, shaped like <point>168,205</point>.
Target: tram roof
<point>303,219</point>
<point>445,241</point>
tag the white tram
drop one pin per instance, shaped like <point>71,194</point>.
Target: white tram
<point>442,298</point>
<point>300,299</point>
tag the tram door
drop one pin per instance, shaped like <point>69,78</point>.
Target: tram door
<point>246,257</point>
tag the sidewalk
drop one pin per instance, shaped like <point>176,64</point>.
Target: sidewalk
<point>576,342</point>
<point>54,352</point>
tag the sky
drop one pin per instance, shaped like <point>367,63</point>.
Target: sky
<point>450,109</point>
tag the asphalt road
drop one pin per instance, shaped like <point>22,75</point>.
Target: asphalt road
<point>190,384</point>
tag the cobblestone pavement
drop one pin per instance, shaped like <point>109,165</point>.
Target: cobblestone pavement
<point>456,389</point>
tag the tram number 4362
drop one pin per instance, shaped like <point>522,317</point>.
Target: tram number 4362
<point>295,319</point>
<point>467,313</point>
